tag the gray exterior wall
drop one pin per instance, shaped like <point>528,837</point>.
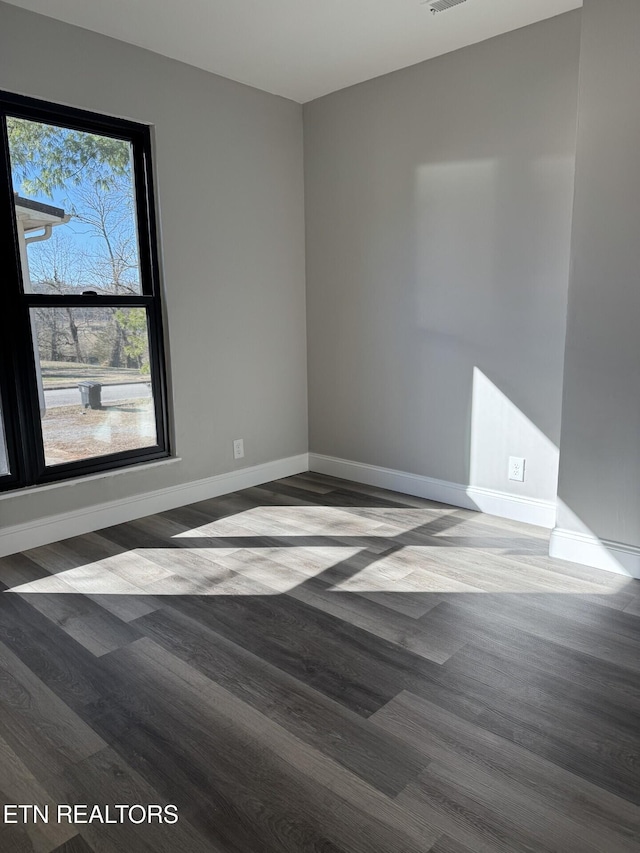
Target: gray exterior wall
<point>438,219</point>
<point>228,160</point>
<point>599,486</point>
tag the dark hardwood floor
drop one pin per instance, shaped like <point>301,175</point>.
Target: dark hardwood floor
<point>314,665</point>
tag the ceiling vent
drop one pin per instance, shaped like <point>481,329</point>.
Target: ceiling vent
<point>442,5</point>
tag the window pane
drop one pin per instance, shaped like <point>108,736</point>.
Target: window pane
<point>94,382</point>
<point>4,459</point>
<point>75,209</point>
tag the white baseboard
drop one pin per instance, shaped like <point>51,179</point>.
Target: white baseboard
<point>599,553</point>
<point>528,510</point>
<point>53,528</point>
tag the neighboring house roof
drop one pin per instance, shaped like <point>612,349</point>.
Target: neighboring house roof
<point>35,214</point>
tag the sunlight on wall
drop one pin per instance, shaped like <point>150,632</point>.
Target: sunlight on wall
<point>500,430</point>
<point>491,280</point>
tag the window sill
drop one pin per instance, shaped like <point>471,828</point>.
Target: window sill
<point>88,478</point>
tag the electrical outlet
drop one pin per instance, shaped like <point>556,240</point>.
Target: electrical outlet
<point>516,469</point>
<point>238,448</point>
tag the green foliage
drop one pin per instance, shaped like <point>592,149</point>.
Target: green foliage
<point>132,323</point>
<point>45,158</point>
<point>101,351</point>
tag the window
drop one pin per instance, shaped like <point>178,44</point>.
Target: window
<point>82,385</point>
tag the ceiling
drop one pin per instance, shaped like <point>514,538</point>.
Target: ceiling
<point>298,48</point>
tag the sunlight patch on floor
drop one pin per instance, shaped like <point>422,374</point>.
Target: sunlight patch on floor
<point>271,550</point>
<point>276,570</point>
<point>315,521</point>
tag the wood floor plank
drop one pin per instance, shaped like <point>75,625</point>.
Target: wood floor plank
<point>77,844</point>
<point>437,646</point>
<point>306,485</point>
<point>183,773</point>
<point>446,844</point>
<point>63,665</point>
<point>444,796</point>
<point>384,762</point>
<point>583,670</point>
<point>78,616</point>
<point>513,674</point>
<point>105,779</point>
<point>358,813</point>
<point>633,607</point>
<point>531,617</point>
<point>318,665</point>
<point>596,815</point>
<point>347,664</point>
<point>19,785</point>
<point>37,725</point>
<point>93,561</point>
<point>40,577</point>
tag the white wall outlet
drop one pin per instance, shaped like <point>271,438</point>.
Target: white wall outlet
<point>238,448</point>
<point>516,469</point>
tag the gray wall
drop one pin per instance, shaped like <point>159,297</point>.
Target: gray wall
<point>230,191</point>
<point>438,218</point>
<point>600,448</point>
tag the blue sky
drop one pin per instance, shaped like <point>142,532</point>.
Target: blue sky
<point>85,251</point>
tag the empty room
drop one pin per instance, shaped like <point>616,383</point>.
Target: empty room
<point>320,426</point>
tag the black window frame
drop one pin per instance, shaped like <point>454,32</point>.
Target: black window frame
<point>18,377</point>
